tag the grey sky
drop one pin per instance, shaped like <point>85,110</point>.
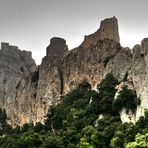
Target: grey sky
<point>30,24</point>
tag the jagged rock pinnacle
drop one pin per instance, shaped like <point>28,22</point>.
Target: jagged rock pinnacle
<point>57,47</point>
<point>108,30</point>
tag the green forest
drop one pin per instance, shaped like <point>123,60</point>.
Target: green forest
<point>83,119</point>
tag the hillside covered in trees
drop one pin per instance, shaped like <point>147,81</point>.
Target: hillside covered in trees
<point>83,119</point>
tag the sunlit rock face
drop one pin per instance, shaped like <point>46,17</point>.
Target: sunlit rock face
<point>50,84</point>
<point>100,53</point>
<point>27,91</point>
<point>15,67</point>
<point>139,73</point>
<point>94,57</point>
<point>127,116</point>
<point>61,70</point>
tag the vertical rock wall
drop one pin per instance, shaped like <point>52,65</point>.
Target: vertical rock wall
<point>27,91</point>
<point>139,74</point>
<point>15,67</point>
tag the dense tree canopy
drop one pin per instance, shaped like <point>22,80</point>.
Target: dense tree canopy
<point>83,119</point>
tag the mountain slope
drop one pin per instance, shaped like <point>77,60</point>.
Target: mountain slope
<point>27,92</point>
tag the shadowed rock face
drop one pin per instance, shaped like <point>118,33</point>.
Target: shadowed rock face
<point>57,47</point>
<point>27,91</point>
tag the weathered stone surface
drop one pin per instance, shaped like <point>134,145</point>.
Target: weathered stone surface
<point>108,30</point>
<point>61,73</point>
<point>88,64</point>
<point>15,67</point>
<point>127,116</point>
<point>57,47</point>
<point>136,52</point>
<point>50,84</point>
<point>91,61</point>
<point>139,74</point>
<point>26,92</point>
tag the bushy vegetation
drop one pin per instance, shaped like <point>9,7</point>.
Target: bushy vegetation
<point>126,99</point>
<point>106,93</point>
<point>76,123</point>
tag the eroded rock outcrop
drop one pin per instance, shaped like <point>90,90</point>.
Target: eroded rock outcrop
<point>139,74</point>
<point>51,83</point>
<point>61,70</point>
<point>27,91</point>
<point>15,67</point>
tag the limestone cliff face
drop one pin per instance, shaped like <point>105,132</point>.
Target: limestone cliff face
<point>88,64</point>
<point>139,73</point>
<point>61,70</point>
<point>15,67</point>
<point>50,84</point>
<point>99,54</point>
<point>27,91</point>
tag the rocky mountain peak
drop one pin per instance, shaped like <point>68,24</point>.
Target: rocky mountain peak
<point>108,30</point>
<point>57,47</point>
<point>27,92</point>
<point>15,67</point>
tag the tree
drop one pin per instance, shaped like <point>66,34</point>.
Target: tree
<point>53,141</point>
<point>123,134</point>
<point>116,142</point>
<point>29,140</point>
<point>126,99</point>
<point>106,93</point>
<point>141,141</point>
<point>107,85</point>
<point>91,138</point>
<point>38,127</point>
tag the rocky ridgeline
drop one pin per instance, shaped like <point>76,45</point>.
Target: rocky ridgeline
<point>27,91</point>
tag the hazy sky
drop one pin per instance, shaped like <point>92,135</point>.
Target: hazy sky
<point>30,24</point>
